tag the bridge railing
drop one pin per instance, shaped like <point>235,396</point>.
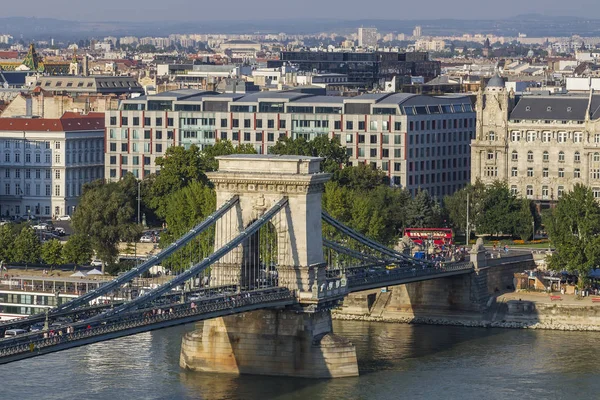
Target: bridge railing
<point>141,318</point>
<point>390,275</point>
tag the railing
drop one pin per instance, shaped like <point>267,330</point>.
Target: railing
<point>147,317</point>
<point>366,277</point>
<point>492,262</point>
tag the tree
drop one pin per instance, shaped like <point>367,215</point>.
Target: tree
<point>423,212</point>
<point>330,149</point>
<point>26,248</point>
<point>498,208</point>
<point>455,205</point>
<point>186,208</point>
<point>222,148</point>
<point>574,230</point>
<point>52,252</point>
<point>7,239</point>
<point>106,214</point>
<point>78,250</point>
<point>361,177</point>
<point>178,168</point>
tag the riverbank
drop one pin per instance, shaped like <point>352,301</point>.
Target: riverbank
<point>509,311</point>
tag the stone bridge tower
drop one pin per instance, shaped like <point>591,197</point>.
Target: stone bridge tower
<point>297,342</point>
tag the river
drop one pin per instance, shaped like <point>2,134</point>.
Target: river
<point>395,361</point>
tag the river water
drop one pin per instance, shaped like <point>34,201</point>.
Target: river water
<point>395,361</point>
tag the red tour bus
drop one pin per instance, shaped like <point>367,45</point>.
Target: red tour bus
<point>440,236</point>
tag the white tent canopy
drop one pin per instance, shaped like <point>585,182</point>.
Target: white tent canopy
<point>78,274</point>
<point>94,272</point>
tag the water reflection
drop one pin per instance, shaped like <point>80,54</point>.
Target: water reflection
<point>420,362</point>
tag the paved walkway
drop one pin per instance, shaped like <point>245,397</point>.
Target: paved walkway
<point>544,298</point>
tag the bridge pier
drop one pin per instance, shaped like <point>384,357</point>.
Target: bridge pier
<point>270,342</point>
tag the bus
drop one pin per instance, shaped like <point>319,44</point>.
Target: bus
<point>439,236</point>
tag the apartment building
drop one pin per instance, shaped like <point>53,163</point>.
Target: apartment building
<point>46,162</point>
<point>540,145</point>
<point>419,141</point>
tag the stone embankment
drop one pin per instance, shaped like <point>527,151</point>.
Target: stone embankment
<point>559,326</point>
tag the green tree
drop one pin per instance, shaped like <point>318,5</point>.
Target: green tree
<point>574,230</point>
<point>524,219</point>
<point>422,211</point>
<point>186,208</point>
<point>455,206</point>
<point>330,149</point>
<point>361,177</point>
<point>106,214</point>
<point>222,148</point>
<point>52,252</point>
<point>26,248</point>
<point>178,168</point>
<point>498,208</point>
<point>7,239</point>
<point>78,250</point>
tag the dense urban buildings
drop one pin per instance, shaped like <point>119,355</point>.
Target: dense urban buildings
<point>367,37</point>
<point>373,69</point>
<point>421,142</point>
<point>45,162</point>
<point>541,145</point>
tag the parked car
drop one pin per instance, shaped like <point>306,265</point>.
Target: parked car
<point>146,239</point>
<point>41,227</point>
<point>60,231</point>
<point>63,218</point>
<point>96,263</point>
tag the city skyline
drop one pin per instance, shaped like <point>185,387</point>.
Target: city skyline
<point>152,10</point>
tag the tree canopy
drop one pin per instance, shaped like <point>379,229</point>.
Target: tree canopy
<point>26,248</point>
<point>106,214</point>
<point>78,250</point>
<point>330,149</point>
<point>574,230</point>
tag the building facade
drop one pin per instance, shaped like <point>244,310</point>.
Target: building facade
<point>45,163</point>
<point>421,142</point>
<point>540,145</point>
<point>367,37</point>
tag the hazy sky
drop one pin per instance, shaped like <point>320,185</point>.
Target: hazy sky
<point>200,10</point>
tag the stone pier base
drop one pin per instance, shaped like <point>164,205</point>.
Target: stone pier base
<point>270,342</point>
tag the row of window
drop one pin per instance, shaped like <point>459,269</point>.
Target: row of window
<point>71,144</point>
<point>135,121</point>
<point>547,193</point>
<point>531,136</point>
<point>18,191</point>
<point>514,172</point>
<point>158,134</point>
<point>439,177</point>
<point>135,160</point>
<point>545,156</point>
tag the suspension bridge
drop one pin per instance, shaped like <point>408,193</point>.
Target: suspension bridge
<point>262,253</point>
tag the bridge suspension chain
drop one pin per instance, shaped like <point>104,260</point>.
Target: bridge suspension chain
<point>196,269</point>
<point>152,261</point>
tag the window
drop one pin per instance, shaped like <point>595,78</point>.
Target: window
<point>57,174</point>
<point>545,192</point>
<point>247,123</point>
<point>545,156</point>
<point>38,174</point>
<point>397,126</point>
<point>124,121</point>
<point>530,156</point>
<point>514,156</point>
<point>147,121</point>
<point>159,148</point>
<point>531,136</point>
<point>577,137</point>
<point>259,123</point>
<point>530,172</point>
<point>57,158</point>
<point>57,190</point>
<point>513,190</point>
<point>158,135</point>
<point>113,121</point>
<point>491,135</point>
<point>515,136</point>
<point>136,121</point>
<point>282,124</point>
<point>545,173</point>
<point>529,191</point>
<point>561,172</point>
<point>48,173</point>
<point>514,172</point>
<point>159,121</point>
<point>577,173</point>
<point>48,190</point>
<point>546,137</point>
<point>577,157</point>
<point>373,125</point>
<point>595,174</point>
<point>596,157</point>
<point>246,136</point>
<point>147,134</point>
<point>562,137</point>
<point>361,125</point>
<point>597,138</point>
<point>169,121</point>
<point>560,191</point>
<point>349,125</point>
<point>561,156</point>
<point>596,192</point>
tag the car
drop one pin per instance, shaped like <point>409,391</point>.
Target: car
<point>63,218</point>
<point>60,231</point>
<point>36,327</point>
<point>41,227</point>
<point>146,239</point>
<point>96,263</point>
<point>14,332</point>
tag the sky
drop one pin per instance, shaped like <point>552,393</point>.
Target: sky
<point>230,10</point>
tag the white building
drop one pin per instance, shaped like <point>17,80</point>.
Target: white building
<point>367,37</point>
<point>46,162</point>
